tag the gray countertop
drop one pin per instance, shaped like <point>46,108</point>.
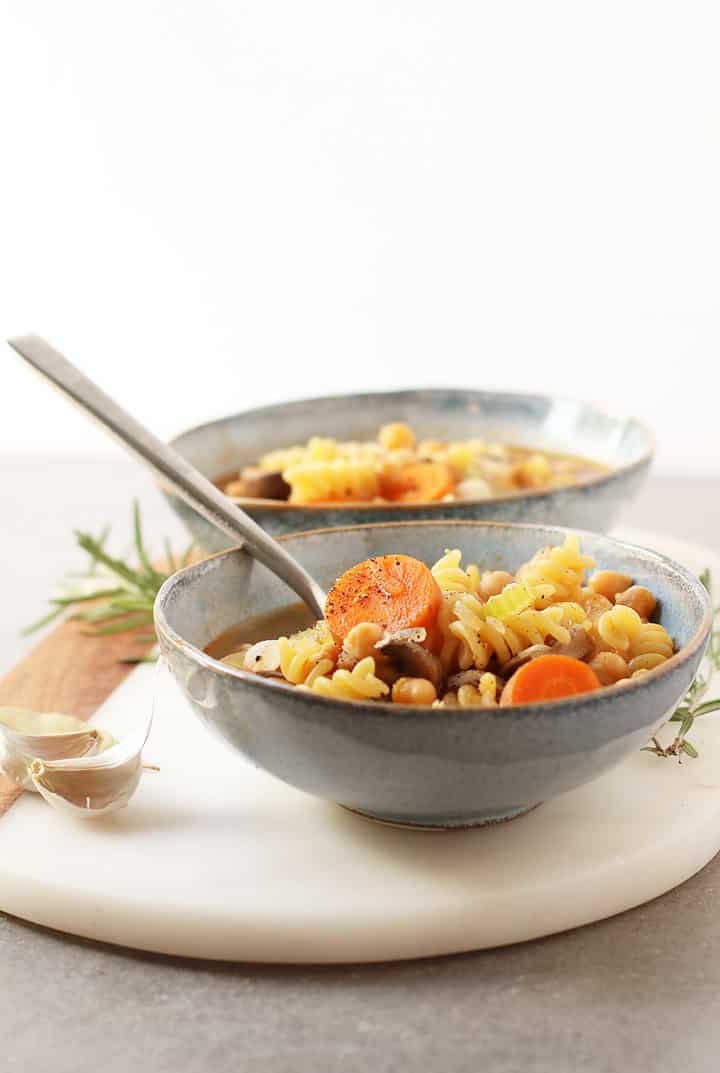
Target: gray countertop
<point>638,992</point>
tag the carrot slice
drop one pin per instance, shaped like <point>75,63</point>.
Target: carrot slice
<point>548,678</point>
<point>395,591</point>
<point>418,482</point>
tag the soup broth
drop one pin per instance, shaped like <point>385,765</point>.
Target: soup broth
<point>283,622</point>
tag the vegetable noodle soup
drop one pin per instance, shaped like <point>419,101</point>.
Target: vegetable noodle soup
<point>451,635</point>
<point>397,468</point>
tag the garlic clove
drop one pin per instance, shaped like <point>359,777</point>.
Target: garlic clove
<point>263,657</point>
<point>90,786</point>
<point>26,735</point>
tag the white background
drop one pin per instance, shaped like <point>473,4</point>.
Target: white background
<point>211,205</point>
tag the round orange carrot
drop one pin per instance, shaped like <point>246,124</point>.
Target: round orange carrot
<point>418,482</point>
<point>549,678</point>
<point>395,591</point>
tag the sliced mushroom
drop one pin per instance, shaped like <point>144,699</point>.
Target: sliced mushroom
<point>524,657</point>
<point>415,633</point>
<point>411,659</point>
<point>579,646</point>
<point>470,677</point>
<point>254,483</point>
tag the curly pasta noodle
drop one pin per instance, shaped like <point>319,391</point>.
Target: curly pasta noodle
<point>451,577</point>
<point>301,654</point>
<point>563,567</point>
<point>619,627</point>
<point>338,479</point>
<point>482,638</point>
<point>450,644</point>
<point>358,684</point>
<point>650,647</point>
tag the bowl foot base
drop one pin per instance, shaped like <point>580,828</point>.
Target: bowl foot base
<point>470,824</point>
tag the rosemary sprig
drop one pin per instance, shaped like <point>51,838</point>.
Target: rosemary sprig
<point>122,594</point>
<point>692,705</point>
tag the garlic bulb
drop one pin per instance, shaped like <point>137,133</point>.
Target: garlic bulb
<point>47,736</point>
<point>91,786</point>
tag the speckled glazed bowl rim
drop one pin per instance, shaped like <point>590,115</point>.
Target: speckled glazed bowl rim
<point>435,505</point>
<point>521,711</point>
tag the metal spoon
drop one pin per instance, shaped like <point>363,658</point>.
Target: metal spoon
<point>171,467</point>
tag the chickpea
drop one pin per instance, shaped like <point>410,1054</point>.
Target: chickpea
<point>608,583</point>
<point>640,599</point>
<point>609,667</point>
<point>414,691</point>
<point>395,436</point>
<point>493,582</point>
<point>361,640</point>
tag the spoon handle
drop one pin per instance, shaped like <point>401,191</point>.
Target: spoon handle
<point>171,467</point>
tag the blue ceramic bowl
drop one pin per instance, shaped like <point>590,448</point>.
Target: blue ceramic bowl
<point>421,766</point>
<point>622,443</point>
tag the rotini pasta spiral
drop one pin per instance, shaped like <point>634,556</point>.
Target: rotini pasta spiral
<point>650,647</point>
<point>451,577</point>
<point>449,642</point>
<point>482,638</point>
<point>358,684</point>
<point>619,627</point>
<point>301,653</point>
<point>563,567</point>
<point>339,478</point>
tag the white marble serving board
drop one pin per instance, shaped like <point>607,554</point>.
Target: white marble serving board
<point>216,859</point>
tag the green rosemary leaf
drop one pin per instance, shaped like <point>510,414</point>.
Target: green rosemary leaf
<point>129,622</point>
<point>39,623</point>
<point>117,566</point>
<point>139,544</point>
<point>152,574</point>
<point>707,707</point>
<point>82,598</point>
<point>686,724</point>
<point>131,603</point>
<point>121,594</point>
<point>99,616</point>
<point>691,707</point>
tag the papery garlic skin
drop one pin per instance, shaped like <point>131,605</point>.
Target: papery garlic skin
<point>26,735</point>
<point>87,793</point>
<point>92,786</point>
